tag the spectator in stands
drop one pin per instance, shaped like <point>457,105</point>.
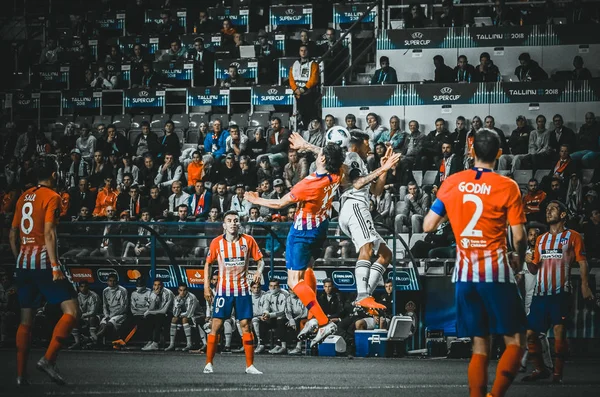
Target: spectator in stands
<point>114,55</point>
<point>384,207</point>
<point>114,306</point>
<point>314,134</point>
<point>204,24</point>
<point>295,170</point>
<point>150,79</point>
<point>239,204</point>
<point>555,191</point>
<point>170,172</point>
<point>443,73</point>
<point>529,70</point>
<point>592,235</point>
<point>161,302</point>
<point>274,315</point>
<point>532,201</point>
<point>459,136</point>
<point>519,147</point>
<point>350,120</point>
<point>145,143</point>
<point>588,142</point>
<point>412,151</point>
<point>561,135</point>
<point>142,245</point>
<point>168,26</point>
<point>329,122</point>
<point>203,63</point>
<point>148,173</point>
<point>434,141</point>
<point>464,72</point>
<point>236,142</point>
<point>80,247</point>
<point>580,73</point>
<point>158,205</point>
<point>450,16</point>
<point>449,163</point>
<point>228,172</point>
<point>258,145</point>
<point>476,125</point>
<point>503,15</point>
<point>305,40</point>
<point>23,144</point>
<point>178,198</point>
<point>77,169</point>
<point>90,306</point>
<point>221,200</point>
<point>414,17</point>
<point>113,142</point>
<point>195,169</point>
<point>417,205</point>
<point>265,170</point>
<point>102,81</point>
<point>81,196</point>
<point>277,142</point>
<point>540,153</point>
<point>486,71</point>
<point>227,30</point>
<point>175,52</point>
<point>50,52</point>
<point>107,197</point>
<point>333,56</point>
<point>265,190</point>
<point>200,201</point>
<point>184,308</point>
<point>234,47</point>
<point>385,74</point>
<point>86,143</point>
<point>564,167</point>
<point>215,143</point>
<point>248,173</point>
<point>267,55</point>
<point>591,202</point>
<point>134,203</point>
<point>170,141</point>
<point>304,82</point>
<point>67,141</point>
<point>374,129</point>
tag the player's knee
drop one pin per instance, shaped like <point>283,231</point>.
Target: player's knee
<point>366,251</point>
<point>245,327</point>
<point>174,320</point>
<point>360,325</point>
<point>185,320</point>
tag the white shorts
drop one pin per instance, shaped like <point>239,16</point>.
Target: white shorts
<point>116,321</point>
<point>370,321</point>
<point>357,223</point>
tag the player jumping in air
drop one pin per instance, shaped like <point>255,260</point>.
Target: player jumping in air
<point>232,251</point>
<point>355,218</point>
<point>33,241</point>
<point>554,253</point>
<point>314,195</point>
<point>479,205</point>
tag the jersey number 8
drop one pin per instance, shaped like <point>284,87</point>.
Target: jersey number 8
<point>26,219</point>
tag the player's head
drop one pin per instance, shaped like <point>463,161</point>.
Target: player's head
<point>274,285</point>
<point>231,222</point>
<point>112,280</point>
<point>532,235</point>
<point>486,146</point>
<point>182,290</point>
<point>556,212</point>
<point>46,170</point>
<point>140,284</point>
<point>532,185</point>
<point>158,285</point>
<point>328,286</point>
<point>359,143</point>
<point>389,286</point>
<point>331,158</point>
<point>84,287</point>
<point>255,288</point>
<point>214,279</point>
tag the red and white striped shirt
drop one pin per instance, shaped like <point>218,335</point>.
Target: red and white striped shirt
<point>553,256</point>
<point>233,258</point>
<point>315,197</point>
<point>36,207</point>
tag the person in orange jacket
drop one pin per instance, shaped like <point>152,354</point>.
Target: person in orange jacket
<point>107,197</point>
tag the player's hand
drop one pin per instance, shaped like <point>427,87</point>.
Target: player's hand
<point>251,197</point>
<point>587,292</point>
<point>291,324</point>
<point>296,141</point>
<point>256,278</point>
<point>388,153</point>
<point>57,273</point>
<point>529,257</point>
<point>208,295</point>
<point>265,316</point>
<point>391,161</point>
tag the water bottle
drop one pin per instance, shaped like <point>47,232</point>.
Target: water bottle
<point>344,81</point>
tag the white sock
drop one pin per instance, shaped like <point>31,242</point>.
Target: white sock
<point>173,333</point>
<point>524,359</point>
<point>188,333</point>
<point>284,344</point>
<point>202,335</point>
<point>228,330</point>
<point>362,278</point>
<point>375,276</point>
<point>299,345</point>
<point>75,333</point>
<point>239,327</point>
<point>546,351</point>
<point>93,333</point>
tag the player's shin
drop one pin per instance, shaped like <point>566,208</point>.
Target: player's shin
<point>375,276</point>
<point>248,342</point>
<point>23,341</point>
<point>211,348</point>
<point>507,369</point>
<point>309,299</point>
<point>362,278</point>
<point>535,352</point>
<point>187,330</point>
<point>61,331</point>
<point>478,375</point>
<point>561,348</point>
<point>228,331</point>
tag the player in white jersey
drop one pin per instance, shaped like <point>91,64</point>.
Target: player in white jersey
<point>355,219</point>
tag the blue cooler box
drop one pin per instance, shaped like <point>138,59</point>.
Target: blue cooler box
<point>371,343</point>
<point>332,345</point>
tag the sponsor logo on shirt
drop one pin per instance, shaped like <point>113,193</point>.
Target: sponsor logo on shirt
<point>552,254</point>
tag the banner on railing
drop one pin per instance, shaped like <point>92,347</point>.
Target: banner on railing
<point>238,15</point>
<point>26,100</point>
<point>272,95</point>
<point>54,77</point>
<point>127,276</point>
<point>153,16</point>
<point>351,12</point>
<point>81,99</point>
<point>143,98</point>
<point>207,96</point>
<point>379,95</point>
<point>291,15</point>
<point>114,21</point>
<point>247,68</point>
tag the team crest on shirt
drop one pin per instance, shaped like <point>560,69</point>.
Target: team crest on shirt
<point>564,241</point>
<point>465,242</point>
<point>244,248</point>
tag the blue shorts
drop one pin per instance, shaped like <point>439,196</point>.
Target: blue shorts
<point>223,306</point>
<point>33,283</point>
<point>303,245</point>
<point>489,309</point>
<point>546,311</point>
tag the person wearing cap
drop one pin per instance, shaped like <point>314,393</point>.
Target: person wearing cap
<point>519,147</point>
<point>239,203</point>
<point>279,191</point>
<point>266,54</point>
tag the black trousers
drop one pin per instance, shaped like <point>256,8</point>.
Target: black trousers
<point>157,323</point>
<point>308,107</point>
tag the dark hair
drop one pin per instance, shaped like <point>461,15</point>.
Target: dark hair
<point>485,55</point>
<point>199,40</point>
<point>274,280</point>
<point>384,59</point>
<point>486,145</point>
<point>145,209</point>
<point>235,127</point>
<point>145,124</point>
<point>559,116</point>
<point>439,58</point>
<point>179,285</point>
<point>129,174</point>
<point>372,115</point>
<point>490,117</point>
<point>533,180</point>
<point>463,56</point>
<point>440,119</point>
<point>112,275</point>
<point>159,280</point>
<point>230,212</point>
<point>169,122</point>
<point>461,118</point>
<point>182,206</point>
<point>254,207</point>
<point>542,116</point>
<point>84,125</point>
<point>327,280</point>
<point>134,187</point>
<point>276,118</point>
<point>525,57</point>
<point>44,168</point>
<point>176,40</point>
<point>111,126</point>
<point>351,117</point>
<point>84,282</point>
<point>334,158</point>
<point>232,65</point>
<point>358,137</point>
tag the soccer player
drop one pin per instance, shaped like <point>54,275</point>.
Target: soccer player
<point>314,195</point>
<point>479,205</point>
<point>555,252</point>
<point>355,218</point>
<point>232,251</point>
<point>33,241</point>
<point>184,309</point>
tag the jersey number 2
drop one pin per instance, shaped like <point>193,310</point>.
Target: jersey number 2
<point>26,219</point>
<point>470,230</point>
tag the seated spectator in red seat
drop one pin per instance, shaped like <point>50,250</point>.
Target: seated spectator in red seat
<point>529,70</point>
<point>532,201</point>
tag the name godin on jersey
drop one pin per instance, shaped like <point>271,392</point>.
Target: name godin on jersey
<point>470,187</point>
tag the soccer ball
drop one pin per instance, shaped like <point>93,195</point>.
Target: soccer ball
<point>338,135</point>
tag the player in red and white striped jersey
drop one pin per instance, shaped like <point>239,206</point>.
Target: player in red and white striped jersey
<point>33,241</point>
<point>479,205</point>
<point>555,253</point>
<point>232,251</point>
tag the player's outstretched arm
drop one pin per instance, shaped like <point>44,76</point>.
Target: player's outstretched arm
<point>362,181</point>
<point>299,143</point>
<point>277,204</point>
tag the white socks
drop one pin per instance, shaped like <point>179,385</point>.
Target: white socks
<point>228,330</point>
<point>362,278</point>
<point>188,333</point>
<point>375,276</point>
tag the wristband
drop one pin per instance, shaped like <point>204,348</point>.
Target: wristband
<point>56,267</point>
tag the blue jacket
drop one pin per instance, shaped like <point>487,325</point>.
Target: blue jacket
<point>220,143</point>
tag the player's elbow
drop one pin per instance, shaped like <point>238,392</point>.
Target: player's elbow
<point>429,224</point>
